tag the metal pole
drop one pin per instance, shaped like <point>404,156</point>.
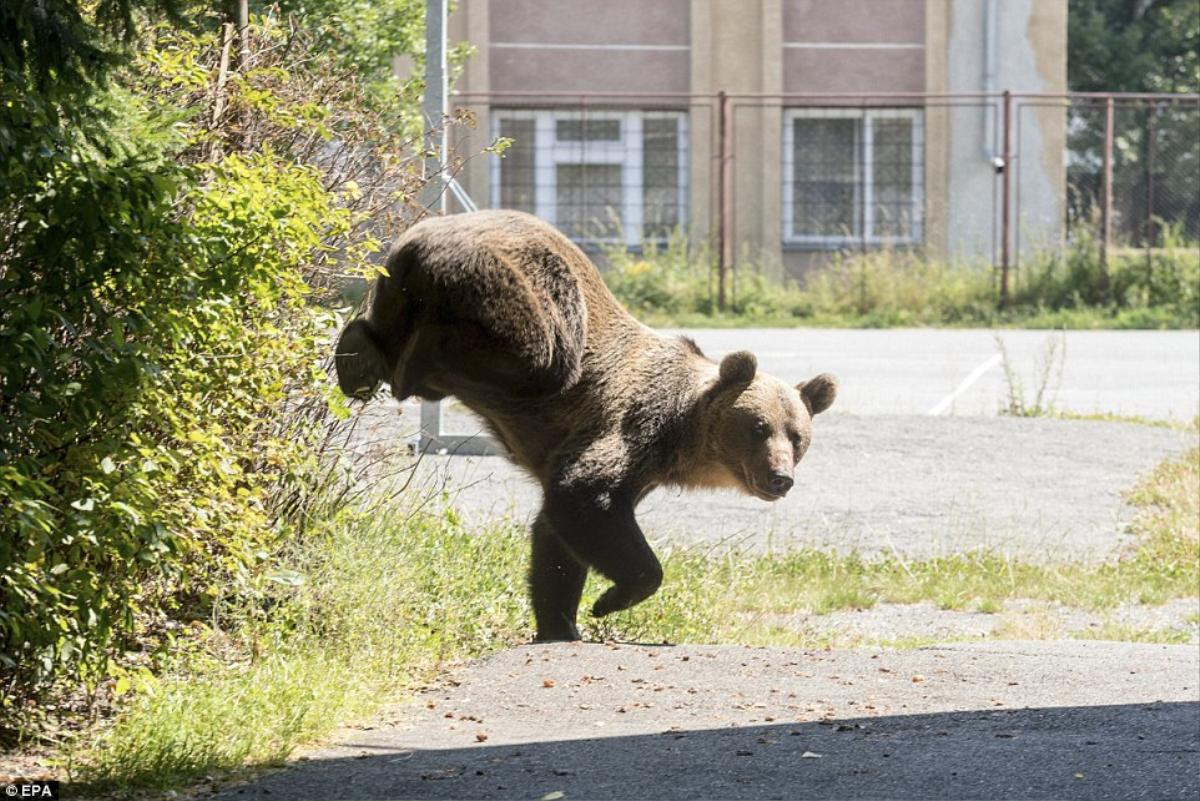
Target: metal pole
<point>724,201</point>
<point>1006,199</point>
<point>433,195</point>
<point>1106,191</point>
<point>1148,235</point>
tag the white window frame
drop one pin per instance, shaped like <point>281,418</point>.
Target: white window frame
<point>865,213</point>
<point>549,151</point>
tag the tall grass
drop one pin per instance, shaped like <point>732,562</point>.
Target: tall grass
<point>370,604</point>
<point>674,283</point>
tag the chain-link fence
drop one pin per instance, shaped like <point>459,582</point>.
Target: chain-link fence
<point>786,182</point>
<point>1150,150</point>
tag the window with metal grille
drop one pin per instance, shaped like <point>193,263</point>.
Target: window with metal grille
<point>600,176</point>
<point>853,176</point>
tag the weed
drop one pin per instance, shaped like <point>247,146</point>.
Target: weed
<point>1048,369</point>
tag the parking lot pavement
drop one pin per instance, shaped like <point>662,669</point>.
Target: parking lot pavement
<point>1153,374</point>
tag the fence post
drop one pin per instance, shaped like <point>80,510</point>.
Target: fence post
<point>1106,199</point>
<point>724,197</point>
<point>1148,233</point>
<point>1006,197</point>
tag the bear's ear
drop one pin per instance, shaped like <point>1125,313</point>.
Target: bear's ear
<point>738,368</point>
<point>818,392</point>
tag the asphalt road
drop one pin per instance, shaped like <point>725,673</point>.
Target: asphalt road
<point>1086,720</point>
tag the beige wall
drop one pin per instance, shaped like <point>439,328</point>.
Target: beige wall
<point>1030,46</point>
<point>741,53</point>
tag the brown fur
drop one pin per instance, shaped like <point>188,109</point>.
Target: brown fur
<point>502,311</point>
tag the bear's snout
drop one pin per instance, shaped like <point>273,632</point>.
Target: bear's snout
<point>780,483</point>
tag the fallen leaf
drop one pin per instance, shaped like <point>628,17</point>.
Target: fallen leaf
<point>547,682</point>
<point>481,736</point>
<point>917,679</point>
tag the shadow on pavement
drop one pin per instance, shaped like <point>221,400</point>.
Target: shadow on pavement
<point>1120,752</point>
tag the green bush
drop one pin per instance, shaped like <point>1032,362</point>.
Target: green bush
<point>663,278</point>
<point>145,360</point>
<point>161,362</point>
<point>1159,288</point>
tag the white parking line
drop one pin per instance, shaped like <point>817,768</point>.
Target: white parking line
<point>974,376</point>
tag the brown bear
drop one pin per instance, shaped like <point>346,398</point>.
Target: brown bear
<point>504,312</point>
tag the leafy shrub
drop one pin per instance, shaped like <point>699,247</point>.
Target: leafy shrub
<point>671,277</point>
<point>145,360</point>
<point>160,359</point>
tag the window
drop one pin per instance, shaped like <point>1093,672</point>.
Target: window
<point>600,176</point>
<point>852,176</point>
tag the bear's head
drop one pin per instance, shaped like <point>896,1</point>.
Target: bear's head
<point>760,427</point>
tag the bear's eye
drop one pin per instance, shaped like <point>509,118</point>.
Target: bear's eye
<point>762,428</point>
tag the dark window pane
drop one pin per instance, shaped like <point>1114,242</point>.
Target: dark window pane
<point>516,168</point>
<point>660,176</point>
<point>826,173</point>
<point>588,199</point>
<point>896,206</point>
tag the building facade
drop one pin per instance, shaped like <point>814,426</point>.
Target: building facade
<point>847,124</point>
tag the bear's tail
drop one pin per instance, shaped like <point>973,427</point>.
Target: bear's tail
<point>360,364</point>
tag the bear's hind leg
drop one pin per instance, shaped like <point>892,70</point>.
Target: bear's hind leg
<point>556,581</point>
<point>602,533</point>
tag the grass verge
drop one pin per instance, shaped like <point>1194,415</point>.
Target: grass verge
<point>674,284</point>
<point>376,604</point>
<point>372,605</point>
<point>741,598</point>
